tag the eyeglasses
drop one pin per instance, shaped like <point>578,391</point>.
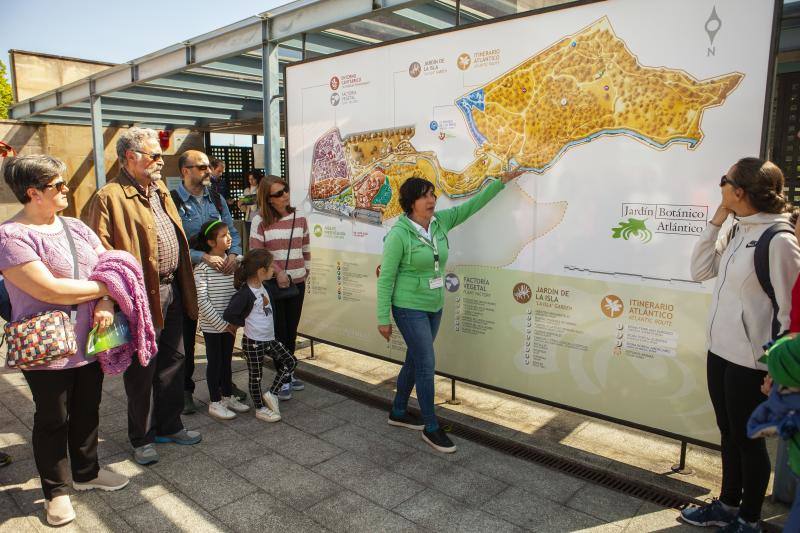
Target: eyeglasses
<point>59,186</point>
<point>725,179</point>
<point>201,168</point>
<point>153,156</point>
<point>280,193</point>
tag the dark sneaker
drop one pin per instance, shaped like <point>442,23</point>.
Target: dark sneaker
<point>713,514</point>
<point>5,459</point>
<point>406,421</point>
<point>438,440</point>
<point>238,393</point>
<point>189,407</point>
<point>740,526</point>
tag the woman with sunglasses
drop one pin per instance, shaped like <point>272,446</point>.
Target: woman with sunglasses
<point>739,325</point>
<point>281,230</point>
<point>37,264</point>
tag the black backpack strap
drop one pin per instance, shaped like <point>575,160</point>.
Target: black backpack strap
<point>176,198</point>
<point>216,197</point>
<point>761,260</point>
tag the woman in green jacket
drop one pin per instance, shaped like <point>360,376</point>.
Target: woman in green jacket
<point>411,287</point>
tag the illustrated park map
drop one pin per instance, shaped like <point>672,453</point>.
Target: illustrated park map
<point>582,87</point>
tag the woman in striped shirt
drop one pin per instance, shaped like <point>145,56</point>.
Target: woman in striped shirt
<point>281,230</point>
<point>214,291</point>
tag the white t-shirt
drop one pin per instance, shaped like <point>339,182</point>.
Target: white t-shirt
<point>259,324</point>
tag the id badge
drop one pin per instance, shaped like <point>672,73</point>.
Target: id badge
<point>436,283</point>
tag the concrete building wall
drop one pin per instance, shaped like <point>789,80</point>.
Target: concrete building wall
<point>33,73</point>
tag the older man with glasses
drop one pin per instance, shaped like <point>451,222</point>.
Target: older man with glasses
<point>198,202</point>
<point>134,212</point>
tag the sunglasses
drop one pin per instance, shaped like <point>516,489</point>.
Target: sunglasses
<point>201,168</point>
<point>725,179</point>
<point>280,193</point>
<point>153,156</point>
<point>59,186</point>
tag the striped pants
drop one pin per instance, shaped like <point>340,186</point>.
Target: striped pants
<point>254,353</point>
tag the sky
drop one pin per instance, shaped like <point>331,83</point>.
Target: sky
<point>113,31</point>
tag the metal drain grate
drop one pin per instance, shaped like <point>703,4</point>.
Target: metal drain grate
<point>638,489</point>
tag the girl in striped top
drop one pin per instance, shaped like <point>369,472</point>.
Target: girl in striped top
<point>214,291</point>
<point>284,232</point>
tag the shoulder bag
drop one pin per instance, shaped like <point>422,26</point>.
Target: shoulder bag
<point>279,293</point>
<point>44,337</point>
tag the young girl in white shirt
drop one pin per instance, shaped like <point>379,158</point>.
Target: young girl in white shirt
<point>251,307</point>
<point>214,291</point>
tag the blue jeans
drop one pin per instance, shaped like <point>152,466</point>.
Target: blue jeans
<point>419,330</point>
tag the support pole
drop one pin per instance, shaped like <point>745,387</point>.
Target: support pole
<point>270,103</point>
<point>453,400</point>
<point>681,468</point>
<point>458,12</point>
<point>97,143</point>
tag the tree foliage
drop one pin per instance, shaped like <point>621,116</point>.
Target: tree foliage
<point>6,96</point>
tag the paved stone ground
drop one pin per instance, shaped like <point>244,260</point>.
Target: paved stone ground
<point>332,465</point>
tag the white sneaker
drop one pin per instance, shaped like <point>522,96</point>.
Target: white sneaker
<point>233,403</point>
<point>267,415</point>
<point>59,510</point>
<point>218,410</point>
<point>272,402</point>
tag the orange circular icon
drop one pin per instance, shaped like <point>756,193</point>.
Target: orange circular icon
<point>522,293</point>
<point>612,306</point>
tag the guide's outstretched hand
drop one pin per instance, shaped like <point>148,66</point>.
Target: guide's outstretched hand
<point>510,174</point>
<point>385,331</point>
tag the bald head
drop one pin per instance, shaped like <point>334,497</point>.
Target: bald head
<point>194,168</point>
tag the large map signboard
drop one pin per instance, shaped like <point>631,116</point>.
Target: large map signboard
<point>573,284</point>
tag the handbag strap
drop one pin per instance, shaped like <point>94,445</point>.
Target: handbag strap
<point>73,313</point>
<point>291,235</point>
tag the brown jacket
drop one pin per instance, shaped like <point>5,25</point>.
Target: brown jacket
<point>121,217</point>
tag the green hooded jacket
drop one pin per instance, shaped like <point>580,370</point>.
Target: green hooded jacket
<point>407,265</point>
<point>783,361</point>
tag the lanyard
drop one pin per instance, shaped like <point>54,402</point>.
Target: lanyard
<point>435,247</point>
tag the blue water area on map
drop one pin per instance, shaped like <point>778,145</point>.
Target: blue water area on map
<point>465,104</point>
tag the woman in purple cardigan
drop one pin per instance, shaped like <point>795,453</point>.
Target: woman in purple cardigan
<point>37,265</point>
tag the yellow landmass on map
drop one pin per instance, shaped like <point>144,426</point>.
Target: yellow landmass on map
<point>583,86</point>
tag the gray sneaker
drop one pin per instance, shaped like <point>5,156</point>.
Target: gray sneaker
<point>145,455</point>
<point>184,436</point>
<point>285,393</point>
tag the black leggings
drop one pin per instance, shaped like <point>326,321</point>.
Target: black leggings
<point>219,352</point>
<point>288,319</point>
<point>735,392</point>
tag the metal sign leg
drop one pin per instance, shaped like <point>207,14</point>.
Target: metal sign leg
<point>453,400</point>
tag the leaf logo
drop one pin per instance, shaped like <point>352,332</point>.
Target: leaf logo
<point>632,228</point>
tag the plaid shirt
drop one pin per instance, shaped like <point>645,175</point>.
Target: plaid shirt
<point>168,247</point>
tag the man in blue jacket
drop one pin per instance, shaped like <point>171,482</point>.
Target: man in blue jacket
<point>197,203</point>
